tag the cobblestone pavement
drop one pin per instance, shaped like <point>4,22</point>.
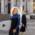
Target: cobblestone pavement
<point>30,30</point>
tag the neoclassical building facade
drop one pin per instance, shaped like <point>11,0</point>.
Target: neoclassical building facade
<point>28,6</point>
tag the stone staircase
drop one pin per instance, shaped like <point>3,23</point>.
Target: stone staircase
<point>4,17</point>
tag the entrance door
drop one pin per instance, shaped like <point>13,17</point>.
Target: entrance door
<point>8,6</point>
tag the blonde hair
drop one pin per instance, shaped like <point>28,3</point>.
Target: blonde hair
<point>12,10</point>
<point>15,10</point>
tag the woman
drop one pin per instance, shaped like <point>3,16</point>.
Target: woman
<point>15,22</point>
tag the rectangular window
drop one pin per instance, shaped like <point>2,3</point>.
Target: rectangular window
<point>23,7</point>
<point>18,0</point>
<point>23,0</point>
<point>33,11</point>
<point>33,4</point>
<point>33,0</point>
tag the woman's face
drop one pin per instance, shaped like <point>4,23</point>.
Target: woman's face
<point>14,11</point>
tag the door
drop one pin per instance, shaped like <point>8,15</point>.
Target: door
<point>8,6</point>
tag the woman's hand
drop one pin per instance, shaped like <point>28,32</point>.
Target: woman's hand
<point>14,30</point>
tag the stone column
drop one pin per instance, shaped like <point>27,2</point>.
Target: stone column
<point>2,6</point>
<point>6,6</point>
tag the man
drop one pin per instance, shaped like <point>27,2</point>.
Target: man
<point>23,27</point>
<point>15,22</point>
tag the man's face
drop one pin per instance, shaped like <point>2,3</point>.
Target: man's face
<point>14,11</point>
